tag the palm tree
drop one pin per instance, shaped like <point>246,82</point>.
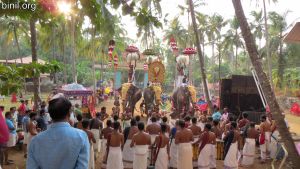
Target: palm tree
<point>200,56</point>
<point>216,23</point>
<point>266,86</point>
<point>278,25</point>
<point>13,27</point>
<point>257,25</point>
<point>202,28</point>
<point>176,31</point>
<point>232,41</point>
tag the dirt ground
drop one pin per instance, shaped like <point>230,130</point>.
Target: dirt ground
<point>20,161</point>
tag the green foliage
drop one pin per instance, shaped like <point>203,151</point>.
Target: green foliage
<point>12,77</point>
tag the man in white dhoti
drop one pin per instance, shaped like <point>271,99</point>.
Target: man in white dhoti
<point>104,135</point>
<point>174,147</point>
<point>96,126</point>
<point>264,138</point>
<point>206,148</point>
<point>161,154</point>
<point>129,132</point>
<point>140,142</point>
<point>183,139</point>
<point>116,140</point>
<point>249,147</point>
<point>231,147</point>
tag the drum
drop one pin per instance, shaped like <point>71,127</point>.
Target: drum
<point>220,150</point>
<point>195,152</point>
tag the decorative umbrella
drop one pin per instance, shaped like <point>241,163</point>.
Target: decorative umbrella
<point>189,51</point>
<point>75,89</point>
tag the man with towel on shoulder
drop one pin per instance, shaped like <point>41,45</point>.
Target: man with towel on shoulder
<point>183,139</point>
<point>129,132</point>
<point>140,142</point>
<point>115,142</point>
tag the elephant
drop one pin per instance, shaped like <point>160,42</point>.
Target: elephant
<point>150,101</point>
<point>182,102</point>
<point>134,94</point>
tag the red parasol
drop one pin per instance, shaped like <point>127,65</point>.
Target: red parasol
<point>189,51</point>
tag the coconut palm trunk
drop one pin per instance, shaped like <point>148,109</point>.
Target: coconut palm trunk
<point>34,60</point>
<point>267,43</point>
<point>266,86</point>
<point>200,55</point>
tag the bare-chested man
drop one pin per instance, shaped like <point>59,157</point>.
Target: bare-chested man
<point>183,138</point>
<point>153,129</point>
<point>217,130</point>
<point>92,140</point>
<point>140,142</point>
<point>104,135</point>
<point>251,135</point>
<point>103,113</point>
<point>96,126</point>
<point>129,132</point>
<point>165,122</point>
<point>208,142</point>
<point>264,138</point>
<point>225,126</point>
<point>244,121</point>
<point>231,146</point>
<point>196,130</point>
<point>116,141</point>
<point>162,153</point>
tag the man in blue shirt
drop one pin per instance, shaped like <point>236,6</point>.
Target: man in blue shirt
<point>61,146</point>
<point>217,115</point>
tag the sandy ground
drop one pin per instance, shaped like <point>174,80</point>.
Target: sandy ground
<point>20,161</point>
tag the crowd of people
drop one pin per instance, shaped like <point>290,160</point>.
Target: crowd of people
<point>58,137</point>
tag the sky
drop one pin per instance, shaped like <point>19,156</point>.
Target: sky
<point>222,7</point>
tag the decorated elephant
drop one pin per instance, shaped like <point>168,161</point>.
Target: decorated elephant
<point>150,101</point>
<point>130,96</point>
<point>183,100</point>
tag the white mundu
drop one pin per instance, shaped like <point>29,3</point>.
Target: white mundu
<point>128,151</point>
<point>231,160</point>
<point>264,148</point>
<point>173,154</point>
<point>248,152</point>
<point>204,157</point>
<point>92,158</point>
<point>96,133</point>
<point>162,159</point>
<point>185,156</point>
<point>114,159</point>
<point>140,156</point>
